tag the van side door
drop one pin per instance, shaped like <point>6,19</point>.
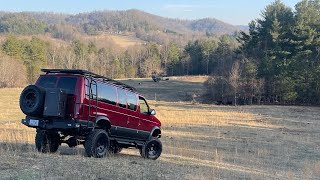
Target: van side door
<point>133,116</point>
<point>122,113</point>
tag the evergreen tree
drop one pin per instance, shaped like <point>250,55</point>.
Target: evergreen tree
<point>13,47</point>
<point>35,57</point>
<point>306,42</point>
<point>173,57</point>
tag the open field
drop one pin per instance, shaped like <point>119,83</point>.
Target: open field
<point>175,90</point>
<point>200,142</point>
<point>122,40</point>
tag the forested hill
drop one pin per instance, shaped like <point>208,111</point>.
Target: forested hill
<point>133,20</point>
<point>108,21</point>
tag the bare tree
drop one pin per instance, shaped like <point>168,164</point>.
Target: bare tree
<point>234,77</point>
<point>12,73</point>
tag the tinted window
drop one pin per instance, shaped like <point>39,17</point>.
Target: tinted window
<point>68,84</point>
<point>107,94</point>
<point>47,81</point>
<point>132,101</point>
<point>144,108</point>
<point>122,98</point>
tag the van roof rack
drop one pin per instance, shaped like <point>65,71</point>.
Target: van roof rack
<point>89,74</point>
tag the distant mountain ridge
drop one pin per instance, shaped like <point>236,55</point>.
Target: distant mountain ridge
<point>133,19</point>
<point>128,20</point>
<point>139,24</point>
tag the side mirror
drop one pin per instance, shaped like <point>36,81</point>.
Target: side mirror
<point>152,112</point>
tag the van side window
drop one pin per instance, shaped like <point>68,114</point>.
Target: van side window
<point>107,94</point>
<point>122,98</point>
<point>144,108</point>
<point>132,101</point>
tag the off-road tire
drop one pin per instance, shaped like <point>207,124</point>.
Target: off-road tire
<point>47,143</point>
<point>32,100</point>
<point>97,144</point>
<point>152,149</point>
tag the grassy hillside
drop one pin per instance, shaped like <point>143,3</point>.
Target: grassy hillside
<point>141,25</point>
<point>101,40</point>
<point>199,142</point>
<point>128,20</point>
<point>123,41</point>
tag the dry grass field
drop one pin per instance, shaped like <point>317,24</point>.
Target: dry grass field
<point>199,142</point>
<point>123,41</point>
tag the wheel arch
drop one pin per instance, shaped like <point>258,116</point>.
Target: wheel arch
<point>103,122</point>
<point>156,132</point>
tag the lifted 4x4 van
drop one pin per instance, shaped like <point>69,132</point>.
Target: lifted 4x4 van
<point>79,107</point>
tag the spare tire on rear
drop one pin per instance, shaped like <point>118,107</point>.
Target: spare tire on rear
<point>32,100</point>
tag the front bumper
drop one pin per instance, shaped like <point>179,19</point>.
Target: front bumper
<point>50,124</point>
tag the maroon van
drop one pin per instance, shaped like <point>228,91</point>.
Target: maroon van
<point>79,107</point>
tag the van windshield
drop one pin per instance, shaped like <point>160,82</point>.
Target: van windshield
<point>66,83</point>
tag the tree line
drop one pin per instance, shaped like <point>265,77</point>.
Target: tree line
<point>109,60</point>
<point>277,61</point>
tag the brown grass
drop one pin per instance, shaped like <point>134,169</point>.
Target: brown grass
<point>174,90</point>
<point>199,142</point>
<point>187,79</point>
<point>123,41</point>
<point>9,105</point>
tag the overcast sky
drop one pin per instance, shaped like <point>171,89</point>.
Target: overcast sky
<point>236,12</point>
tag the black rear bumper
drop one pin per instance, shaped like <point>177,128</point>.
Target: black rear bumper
<point>50,124</point>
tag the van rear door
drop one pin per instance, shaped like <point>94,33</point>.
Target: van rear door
<point>64,82</point>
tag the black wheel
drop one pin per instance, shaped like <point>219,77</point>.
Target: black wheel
<point>97,144</point>
<point>46,142</point>
<point>152,149</point>
<point>32,100</point>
